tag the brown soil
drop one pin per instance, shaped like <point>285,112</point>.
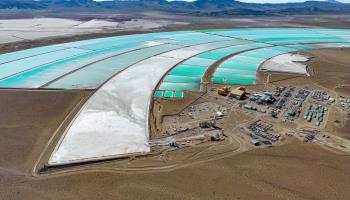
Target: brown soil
<point>28,120</point>
<point>164,107</point>
<point>285,172</point>
<point>341,129</point>
<point>332,68</point>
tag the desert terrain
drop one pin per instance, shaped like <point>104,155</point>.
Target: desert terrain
<point>276,173</point>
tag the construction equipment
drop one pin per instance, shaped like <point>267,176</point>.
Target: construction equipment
<point>218,137</point>
<point>224,91</point>
<point>206,124</point>
<point>238,93</point>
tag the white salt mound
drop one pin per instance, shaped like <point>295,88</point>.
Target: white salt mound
<point>288,63</point>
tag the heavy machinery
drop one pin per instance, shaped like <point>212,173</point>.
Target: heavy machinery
<point>237,93</point>
<point>224,91</point>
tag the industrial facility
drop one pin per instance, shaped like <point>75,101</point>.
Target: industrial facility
<point>137,74</point>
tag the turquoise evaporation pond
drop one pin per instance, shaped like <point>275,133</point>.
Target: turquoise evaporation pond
<point>246,59</point>
<point>188,70</point>
<point>45,74</point>
<point>234,76</point>
<point>257,35</point>
<point>286,36</point>
<point>17,66</point>
<point>169,94</point>
<point>262,31</point>
<point>102,43</point>
<point>105,41</point>
<point>182,79</point>
<point>250,60</point>
<point>196,66</point>
<point>110,45</point>
<point>42,75</point>
<point>33,67</point>
<point>7,57</point>
<point>191,38</point>
<point>181,73</point>
<point>241,65</point>
<point>74,80</point>
<point>253,33</point>
<point>117,42</point>
<point>223,52</point>
<point>159,93</point>
<point>343,44</point>
<point>335,32</point>
<point>300,46</point>
<point>268,52</point>
<point>197,41</point>
<point>224,74</point>
<point>328,45</point>
<point>181,37</point>
<point>233,81</point>
<point>95,74</point>
<point>178,94</point>
<point>314,40</point>
<point>197,61</point>
<point>180,86</point>
<point>192,70</point>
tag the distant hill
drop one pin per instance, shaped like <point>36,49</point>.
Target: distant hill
<point>20,4</point>
<point>199,7</point>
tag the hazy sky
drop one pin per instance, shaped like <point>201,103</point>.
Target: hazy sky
<point>271,1</point>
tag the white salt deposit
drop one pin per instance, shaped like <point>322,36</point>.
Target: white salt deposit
<point>152,43</point>
<point>95,23</point>
<point>15,30</point>
<point>114,121</point>
<point>288,63</point>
